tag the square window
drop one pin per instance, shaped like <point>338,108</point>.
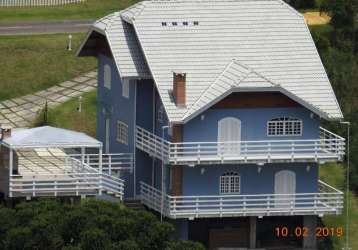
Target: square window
<point>122,132</point>
<point>230,183</point>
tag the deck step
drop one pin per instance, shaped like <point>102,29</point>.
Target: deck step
<point>134,204</point>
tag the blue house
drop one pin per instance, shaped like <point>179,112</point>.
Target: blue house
<point>220,103</point>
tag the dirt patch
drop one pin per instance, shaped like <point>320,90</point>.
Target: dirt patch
<point>316,18</point>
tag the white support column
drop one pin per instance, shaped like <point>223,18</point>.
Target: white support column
<point>11,166</point>
<point>253,221</point>
<point>100,169</point>
<point>83,151</point>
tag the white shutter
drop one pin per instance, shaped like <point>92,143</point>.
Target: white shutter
<point>107,77</point>
<point>285,183</point>
<point>229,130</point>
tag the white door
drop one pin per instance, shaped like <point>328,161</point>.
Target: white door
<point>285,184</point>
<point>107,128</point>
<point>229,136</point>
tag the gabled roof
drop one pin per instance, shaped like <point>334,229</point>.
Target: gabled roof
<point>124,45</point>
<point>49,137</point>
<point>234,76</point>
<point>267,38</point>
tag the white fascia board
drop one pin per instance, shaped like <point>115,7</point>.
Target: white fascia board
<point>89,33</point>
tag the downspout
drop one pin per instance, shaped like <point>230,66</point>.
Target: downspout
<point>135,140</point>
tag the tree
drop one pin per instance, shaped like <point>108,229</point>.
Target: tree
<point>92,224</point>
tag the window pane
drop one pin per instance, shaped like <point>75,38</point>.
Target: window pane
<point>122,132</point>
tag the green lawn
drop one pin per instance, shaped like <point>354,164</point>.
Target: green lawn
<point>32,63</point>
<point>91,9</point>
<point>333,174</point>
<point>67,116</point>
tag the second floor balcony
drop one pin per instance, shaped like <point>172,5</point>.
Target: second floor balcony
<point>329,147</point>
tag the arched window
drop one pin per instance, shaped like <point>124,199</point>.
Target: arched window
<point>107,76</point>
<point>230,183</point>
<point>284,126</point>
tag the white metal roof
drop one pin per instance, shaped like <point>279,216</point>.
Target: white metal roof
<point>202,37</point>
<point>46,136</point>
<point>124,46</point>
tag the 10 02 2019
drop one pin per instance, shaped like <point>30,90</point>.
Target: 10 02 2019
<point>285,231</point>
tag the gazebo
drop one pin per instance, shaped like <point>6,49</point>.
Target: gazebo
<point>40,162</point>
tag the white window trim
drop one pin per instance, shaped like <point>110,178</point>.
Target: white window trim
<point>125,88</point>
<point>118,130</point>
<point>107,76</point>
<point>284,127</point>
<point>230,175</point>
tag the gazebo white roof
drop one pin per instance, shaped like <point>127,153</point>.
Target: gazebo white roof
<point>46,137</point>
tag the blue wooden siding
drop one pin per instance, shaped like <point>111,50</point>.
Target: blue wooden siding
<point>252,182</point>
<point>144,118</point>
<point>253,123</point>
<point>111,103</point>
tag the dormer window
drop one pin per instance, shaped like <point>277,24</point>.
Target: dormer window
<point>174,23</point>
<point>284,126</point>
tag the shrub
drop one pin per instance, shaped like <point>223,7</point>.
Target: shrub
<point>89,225</point>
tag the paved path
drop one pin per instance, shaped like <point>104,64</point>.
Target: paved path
<point>25,28</point>
<point>22,111</point>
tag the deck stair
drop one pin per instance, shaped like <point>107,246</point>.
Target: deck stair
<point>135,204</point>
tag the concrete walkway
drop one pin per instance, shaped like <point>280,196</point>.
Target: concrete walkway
<point>22,111</point>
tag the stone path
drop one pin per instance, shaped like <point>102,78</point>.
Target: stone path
<point>22,111</point>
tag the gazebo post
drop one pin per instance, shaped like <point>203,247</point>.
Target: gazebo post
<point>11,166</point>
<point>83,150</point>
<point>100,169</point>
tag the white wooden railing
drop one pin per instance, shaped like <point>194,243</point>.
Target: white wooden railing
<point>329,202</point>
<point>77,179</point>
<point>111,163</point>
<point>35,3</point>
<point>329,147</point>
<point>152,144</point>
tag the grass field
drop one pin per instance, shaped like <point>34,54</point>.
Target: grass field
<point>67,116</point>
<point>91,9</point>
<point>333,174</point>
<point>32,63</point>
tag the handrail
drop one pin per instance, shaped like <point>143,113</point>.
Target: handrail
<point>328,147</point>
<point>112,162</point>
<point>259,204</point>
<point>77,178</point>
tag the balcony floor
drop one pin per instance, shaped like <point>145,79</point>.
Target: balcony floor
<point>253,158</point>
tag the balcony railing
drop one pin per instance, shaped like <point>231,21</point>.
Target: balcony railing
<point>111,163</point>
<point>330,147</point>
<point>327,201</point>
<point>74,179</point>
